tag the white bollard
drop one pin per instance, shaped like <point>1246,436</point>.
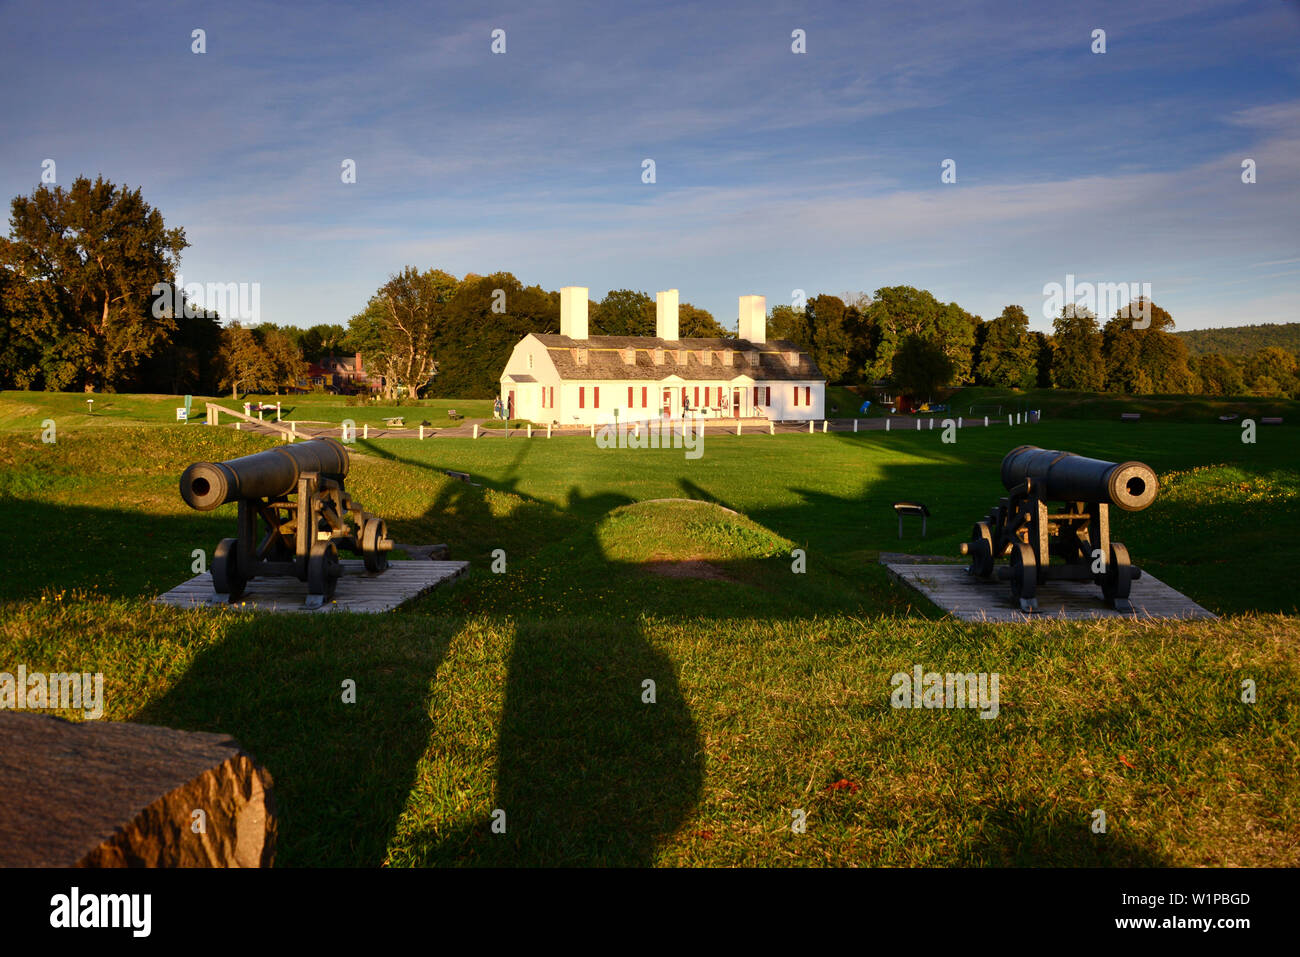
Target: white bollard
<point>548,430</point>
<point>886,423</point>
<point>593,430</point>
<point>421,433</point>
<point>476,430</point>
<point>530,430</point>
<point>771,428</point>
<point>959,421</point>
<point>986,421</point>
<point>239,426</point>
<point>737,426</point>
<point>365,430</point>
<point>824,424</point>
<point>1009,422</point>
<point>932,423</point>
<point>810,426</point>
<point>855,425</point>
<point>277,411</point>
<point>918,425</point>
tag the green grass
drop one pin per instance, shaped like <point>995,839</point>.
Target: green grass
<point>27,411</point>
<point>523,690</point>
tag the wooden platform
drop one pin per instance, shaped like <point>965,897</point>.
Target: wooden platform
<point>358,589</point>
<point>972,599</point>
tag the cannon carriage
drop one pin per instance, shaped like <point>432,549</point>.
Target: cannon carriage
<point>1023,529</point>
<point>297,491</point>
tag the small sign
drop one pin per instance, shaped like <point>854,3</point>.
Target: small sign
<point>182,414</point>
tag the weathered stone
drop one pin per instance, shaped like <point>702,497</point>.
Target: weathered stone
<point>115,794</point>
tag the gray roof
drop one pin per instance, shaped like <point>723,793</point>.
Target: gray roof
<point>605,358</point>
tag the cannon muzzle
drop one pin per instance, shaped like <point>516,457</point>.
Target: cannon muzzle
<point>1067,477</point>
<point>275,472</point>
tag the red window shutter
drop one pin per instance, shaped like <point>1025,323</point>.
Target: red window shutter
<point>756,395</point>
<point>807,395</point>
<point>629,397</point>
<point>683,397</point>
<point>582,397</point>
<point>796,396</point>
<point>595,397</point>
<point>697,397</point>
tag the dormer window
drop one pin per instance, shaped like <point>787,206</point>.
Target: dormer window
<point>792,358</point>
<point>726,357</point>
<point>682,356</point>
<point>659,357</point>
<point>580,355</point>
<point>629,356</point>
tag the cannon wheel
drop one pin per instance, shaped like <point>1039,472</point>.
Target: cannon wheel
<point>323,570</point>
<point>226,576</point>
<point>374,532</point>
<point>1024,576</point>
<point>1118,578</point>
<point>981,551</point>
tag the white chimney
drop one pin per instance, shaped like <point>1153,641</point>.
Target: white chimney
<point>666,315</point>
<point>753,319</point>
<point>573,312</point>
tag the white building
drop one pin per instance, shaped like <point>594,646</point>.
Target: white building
<point>572,378</point>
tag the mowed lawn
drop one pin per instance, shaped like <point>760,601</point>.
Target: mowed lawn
<point>527,691</point>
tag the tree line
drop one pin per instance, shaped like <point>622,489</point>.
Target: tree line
<point>82,269</point>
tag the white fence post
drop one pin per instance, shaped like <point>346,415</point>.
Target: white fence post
<point>855,425</point>
<point>548,430</point>
<point>421,433</point>
<point>530,430</point>
<point>365,430</point>
<point>476,430</point>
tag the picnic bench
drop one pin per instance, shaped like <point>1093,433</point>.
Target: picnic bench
<point>395,422</point>
<point>1130,416</point>
<point>453,414</point>
<point>911,508</point>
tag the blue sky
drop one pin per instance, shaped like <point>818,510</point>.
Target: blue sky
<point>775,171</point>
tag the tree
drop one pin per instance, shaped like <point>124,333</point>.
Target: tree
<point>920,366</point>
<point>93,254</point>
<point>1272,371</point>
<point>1076,351</point>
<point>1009,355</point>
<point>1145,359</point>
<point>397,331</point>
<point>284,359</point>
<point>476,338</point>
<point>827,337</point>
<point>624,312</point>
<point>898,313</point>
<point>245,365</point>
<point>1219,375</point>
<point>696,323</point>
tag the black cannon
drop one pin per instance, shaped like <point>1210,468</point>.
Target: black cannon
<point>1022,529</point>
<point>302,536</point>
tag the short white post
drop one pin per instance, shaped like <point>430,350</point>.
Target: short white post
<point>701,429</point>
<point>771,427</point>
<point>918,425</point>
<point>1009,420</point>
<point>239,426</point>
<point>277,410</point>
<point>365,430</point>
<point>421,433</point>
<point>593,430</point>
<point>810,426</point>
<point>737,426</point>
<point>855,425</point>
<point>986,421</point>
<point>886,423</point>
<point>824,424</point>
<point>530,430</point>
<point>476,430</point>
<point>959,421</point>
<point>548,430</point>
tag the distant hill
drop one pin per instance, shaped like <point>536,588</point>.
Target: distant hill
<point>1242,340</point>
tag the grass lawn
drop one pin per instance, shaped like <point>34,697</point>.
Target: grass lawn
<point>525,690</point>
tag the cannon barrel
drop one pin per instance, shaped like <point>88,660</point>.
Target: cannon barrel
<point>208,485</point>
<point>1067,477</point>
